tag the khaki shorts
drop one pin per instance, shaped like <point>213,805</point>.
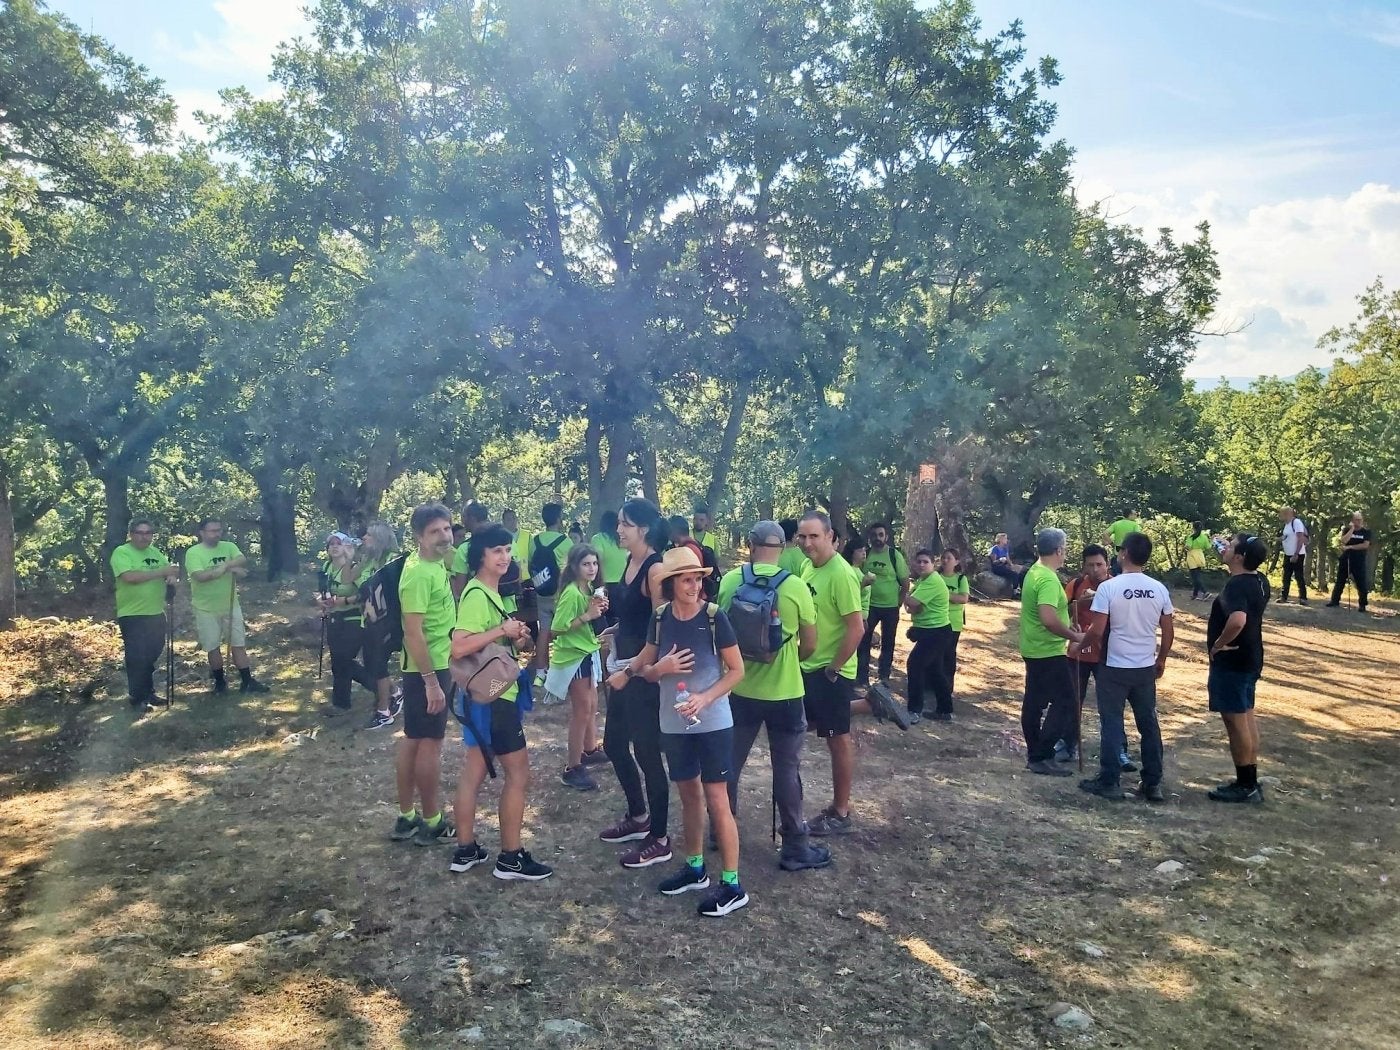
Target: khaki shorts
<point>213,629</point>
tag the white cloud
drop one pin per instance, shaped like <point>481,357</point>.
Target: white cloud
<point>1381,26</point>
<point>246,41</point>
<point>1293,257</point>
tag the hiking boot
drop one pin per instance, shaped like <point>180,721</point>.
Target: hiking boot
<point>464,858</point>
<point>596,757</point>
<point>727,898</point>
<point>628,829</point>
<point>685,879</point>
<point>1125,762</point>
<point>379,720</point>
<point>1153,793</point>
<point>579,777</point>
<point>249,684</point>
<point>1047,768</point>
<point>219,680</point>
<point>652,851</point>
<point>808,855</point>
<point>404,827</point>
<point>426,835</point>
<point>884,707</point>
<point>1236,793</point>
<point>518,864</point>
<point>1102,788</point>
<point>829,822</point>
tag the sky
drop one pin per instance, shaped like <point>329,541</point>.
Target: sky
<point>1276,121</point>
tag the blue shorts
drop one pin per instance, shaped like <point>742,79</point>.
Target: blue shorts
<point>1231,692</point>
<point>709,756</point>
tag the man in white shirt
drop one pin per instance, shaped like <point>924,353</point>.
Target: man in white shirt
<point>1294,544</point>
<point>1131,607</point>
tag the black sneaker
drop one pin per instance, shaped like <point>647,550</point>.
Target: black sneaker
<point>685,879</point>
<point>579,777</point>
<point>464,858</point>
<point>1102,788</point>
<point>1047,768</point>
<point>379,720</point>
<point>1333,605</point>
<point>520,865</point>
<point>395,702</point>
<point>914,718</point>
<point>404,827</point>
<point>724,900</point>
<point>884,707</point>
<point>1236,793</point>
<point>1153,793</point>
<point>252,685</point>
<point>943,716</point>
<point>443,834</point>
<point>596,757</point>
<point>828,822</point>
<point>808,856</point>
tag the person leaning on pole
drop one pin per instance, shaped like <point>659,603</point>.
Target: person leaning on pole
<point>1355,541</point>
<point>213,564</point>
<point>141,573</point>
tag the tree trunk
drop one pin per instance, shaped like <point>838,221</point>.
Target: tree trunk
<point>646,466</point>
<point>607,479</point>
<point>719,476</point>
<point>278,523</point>
<point>117,507</point>
<point>7,551</point>
<point>920,513</point>
<point>1388,574</point>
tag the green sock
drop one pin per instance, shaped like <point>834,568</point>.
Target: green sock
<point>433,822</point>
<point>409,814</point>
<point>697,862</point>
<point>729,878</point>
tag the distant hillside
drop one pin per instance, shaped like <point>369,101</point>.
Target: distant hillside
<point>1238,382</point>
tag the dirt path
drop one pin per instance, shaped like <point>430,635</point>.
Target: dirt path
<point>165,890</point>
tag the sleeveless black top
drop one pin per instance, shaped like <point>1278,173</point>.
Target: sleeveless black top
<point>633,609</point>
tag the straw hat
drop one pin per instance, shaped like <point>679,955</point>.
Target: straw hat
<point>680,560</point>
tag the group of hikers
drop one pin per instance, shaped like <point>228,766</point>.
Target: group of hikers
<point>694,661</point>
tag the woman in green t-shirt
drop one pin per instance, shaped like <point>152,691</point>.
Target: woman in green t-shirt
<point>1197,550</point>
<point>575,666</point>
<point>933,640</point>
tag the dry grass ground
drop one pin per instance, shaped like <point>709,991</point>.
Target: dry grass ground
<point>160,880</point>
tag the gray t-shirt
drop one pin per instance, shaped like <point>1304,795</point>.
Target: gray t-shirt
<point>693,634</point>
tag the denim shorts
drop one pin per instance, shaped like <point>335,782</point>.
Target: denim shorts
<point>1231,692</point>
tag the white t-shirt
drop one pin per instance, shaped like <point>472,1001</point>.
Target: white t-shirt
<point>1135,604</point>
<point>1294,541</point>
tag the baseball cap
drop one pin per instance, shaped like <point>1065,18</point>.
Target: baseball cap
<point>767,534</point>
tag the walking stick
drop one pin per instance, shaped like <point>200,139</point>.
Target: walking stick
<point>169,644</point>
<point>232,600</point>
<point>325,581</point>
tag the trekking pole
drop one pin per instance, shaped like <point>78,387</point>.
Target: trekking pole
<point>169,644</point>
<point>1073,676</point>
<point>321,656</point>
<point>232,601</point>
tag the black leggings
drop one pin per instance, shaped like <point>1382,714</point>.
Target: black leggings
<point>1198,586</point>
<point>887,619</point>
<point>634,729</point>
<point>343,637</point>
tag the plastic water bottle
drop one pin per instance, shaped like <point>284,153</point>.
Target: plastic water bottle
<point>775,632</point>
<point>682,695</point>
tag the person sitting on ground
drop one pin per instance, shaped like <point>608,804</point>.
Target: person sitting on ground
<point>142,573</point>
<point>1235,643</point>
<point>792,559</point>
<point>1198,548</point>
<point>212,565</point>
<point>770,695</point>
<point>693,656</point>
<point>481,621</point>
<point>575,666</point>
<point>1048,706</point>
<point>932,634</point>
<point>428,612</point>
<point>1000,563</point>
<point>1128,611</point>
<point>959,591</point>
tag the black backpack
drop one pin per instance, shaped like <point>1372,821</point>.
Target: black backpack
<point>544,567</point>
<point>380,595</point>
<point>711,580</point>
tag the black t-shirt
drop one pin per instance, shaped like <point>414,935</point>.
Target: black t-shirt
<point>1358,536</point>
<point>1248,593</point>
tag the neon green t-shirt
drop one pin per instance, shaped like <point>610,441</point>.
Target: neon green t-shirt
<point>835,595</point>
<point>340,589</point>
<point>706,539</point>
<point>459,568</point>
<point>424,588</point>
<point>781,679</point>
<point>568,646</point>
<point>480,610</point>
<point>1199,542</point>
<point>211,596</point>
<point>794,561</point>
<point>520,548</point>
<point>890,570</point>
<point>612,558</point>
<point>933,592</point>
<point>139,599</point>
<point>957,584</point>
<point>1120,530</point>
<point>1041,587</point>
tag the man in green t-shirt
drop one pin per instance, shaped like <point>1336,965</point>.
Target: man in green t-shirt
<point>888,591</point>
<point>829,673</point>
<point>141,573</point>
<point>552,539</point>
<point>1048,708</point>
<point>1117,533</point>
<point>770,696</point>
<point>213,565</point>
<point>792,559</point>
<point>702,532</point>
<point>428,611</point>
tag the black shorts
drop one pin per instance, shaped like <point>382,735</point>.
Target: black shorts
<point>827,703</point>
<point>375,646</point>
<point>709,756</point>
<point>585,669</point>
<point>507,731</point>
<point>417,723</point>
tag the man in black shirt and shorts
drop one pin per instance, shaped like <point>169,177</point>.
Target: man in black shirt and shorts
<point>1235,639</point>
